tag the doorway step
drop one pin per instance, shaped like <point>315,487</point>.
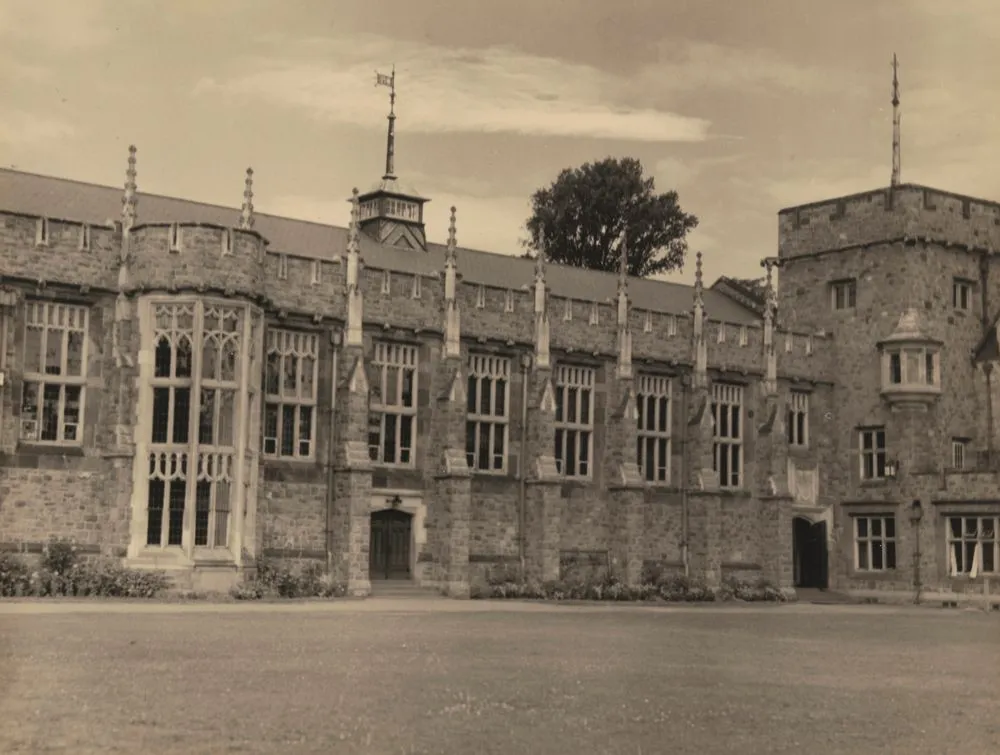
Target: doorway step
<point>823,597</point>
<point>401,588</point>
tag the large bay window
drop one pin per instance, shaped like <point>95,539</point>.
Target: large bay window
<point>654,418</point>
<point>198,401</point>
<point>574,423</point>
<point>290,394</point>
<point>55,373</point>
<point>392,414</point>
<point>488,414</point>
<point>727,416</point>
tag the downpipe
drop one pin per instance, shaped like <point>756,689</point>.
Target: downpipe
<point>685,550</point>
<point>331,456</point>
<point>522,493</point>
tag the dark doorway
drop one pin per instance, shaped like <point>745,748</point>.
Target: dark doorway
<point>389,551</point>
<point>809,553</point>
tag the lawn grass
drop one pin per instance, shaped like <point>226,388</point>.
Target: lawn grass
<point>443,677</point>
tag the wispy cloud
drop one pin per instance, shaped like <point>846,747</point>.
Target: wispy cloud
<point>703,66</point>
<point>59,25</point>
<point>20,129</point>
<point>442,90</point>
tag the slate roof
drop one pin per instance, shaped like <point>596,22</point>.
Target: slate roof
<point>59,198</point>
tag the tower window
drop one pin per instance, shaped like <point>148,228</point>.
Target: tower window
<point>961,294</point>
<point>844,294</point>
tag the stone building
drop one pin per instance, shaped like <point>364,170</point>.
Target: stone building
<point>190,387</point>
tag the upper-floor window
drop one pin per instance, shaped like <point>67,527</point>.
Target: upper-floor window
<point>654,417</point>
<point>290,375</point>
<point>844,294</point>
<point>874,543</point>
<point>973,545</point>
<point>798,419</point>
<point>913,366</point>
<point>727,415</point>
<point>488,414</point>
<point>959,446</point>
<point>393,408</point>
<point>961,294</point>
<point>872,453</point>
<point>317,272</point>
<point>55,358</point>
<point>574,387</point>
<point>85,238</point>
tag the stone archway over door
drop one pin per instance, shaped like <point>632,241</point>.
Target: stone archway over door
<point>810,553</point>
<point>391,542</point>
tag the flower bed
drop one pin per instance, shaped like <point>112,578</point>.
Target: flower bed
<point>62,574</point>
<point>276,580</point>
<point>655,585</point>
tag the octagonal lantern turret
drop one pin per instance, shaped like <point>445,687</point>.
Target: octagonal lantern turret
<point>911,365</point>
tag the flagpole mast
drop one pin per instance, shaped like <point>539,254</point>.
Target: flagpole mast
<point>390,147</point>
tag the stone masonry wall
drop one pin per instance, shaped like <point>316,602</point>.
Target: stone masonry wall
<point>304,294</point>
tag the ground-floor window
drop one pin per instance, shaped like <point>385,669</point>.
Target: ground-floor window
<point>874,543</point>
<point>973,546</point>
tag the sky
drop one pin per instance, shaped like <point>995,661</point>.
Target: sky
<point>743,108</point>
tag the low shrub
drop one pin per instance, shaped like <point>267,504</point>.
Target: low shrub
<point>279,580</point>
<point>655,585</point>
<point>60,574</point>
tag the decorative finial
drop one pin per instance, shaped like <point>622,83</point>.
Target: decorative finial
<point>896,119</point>
<point>623,265</point>
<point>390,148</point>
<point>130,201</point>
<point>352,231</point>
<point>452,252</point>
<point>246,216</point>
<point>697,271</point>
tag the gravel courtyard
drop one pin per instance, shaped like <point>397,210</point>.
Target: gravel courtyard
<point>436,676</point>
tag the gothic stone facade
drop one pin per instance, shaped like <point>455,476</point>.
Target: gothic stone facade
<point>192,387</point>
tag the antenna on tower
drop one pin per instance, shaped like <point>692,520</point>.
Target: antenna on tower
<point>895,121</point>
<point>390,148</point>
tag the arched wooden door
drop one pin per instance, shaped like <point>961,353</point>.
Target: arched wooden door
<point>389,550</point>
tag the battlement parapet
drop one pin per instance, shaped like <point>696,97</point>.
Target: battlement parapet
<point>905,212</point>
<point>48,249</point>
<point>171,256</point>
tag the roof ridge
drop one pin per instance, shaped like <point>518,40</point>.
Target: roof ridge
<point>86,199</point>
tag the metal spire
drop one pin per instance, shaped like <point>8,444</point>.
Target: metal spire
<point>390,147</point>
<point>895,121</point>
<point>246,216</point>
<point>130,200</point>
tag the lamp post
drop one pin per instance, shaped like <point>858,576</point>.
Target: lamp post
<point>916,515</point>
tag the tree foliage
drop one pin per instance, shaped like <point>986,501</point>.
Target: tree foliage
<point>579,219</point>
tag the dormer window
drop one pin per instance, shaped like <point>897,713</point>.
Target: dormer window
<point>961,294</point>
<point>844,294</point>
<point>911,370</point>
<point>42,232</point>
<point>175,238</point>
